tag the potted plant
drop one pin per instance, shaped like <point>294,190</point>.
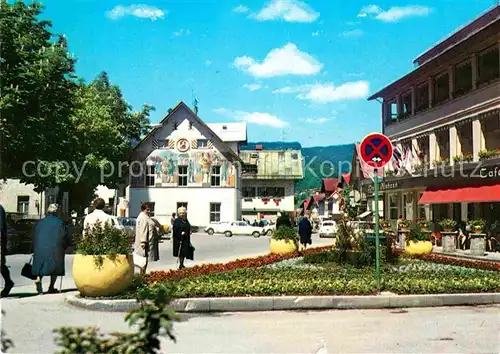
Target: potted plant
<point>418,242</point>
<point>447,225</point>
<point>103,264</point>
<point>423,225</point>
<point>404,224</point>
<point>385,225</point>
<point>284,240</point>
<point>477,226</point>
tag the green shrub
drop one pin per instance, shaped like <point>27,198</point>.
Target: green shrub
<point>104,241</point>
<point>286,233</point>
<point>446,224</point>
<point>322,257</point>
<point>417,235</point>
<point>153,318</point>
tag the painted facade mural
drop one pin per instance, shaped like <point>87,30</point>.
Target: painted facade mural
<point>199,165</point>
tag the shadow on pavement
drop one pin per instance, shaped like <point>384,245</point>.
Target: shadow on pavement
<point>15,295</point>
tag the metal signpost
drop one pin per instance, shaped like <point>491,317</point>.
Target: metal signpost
<point>376,151</point>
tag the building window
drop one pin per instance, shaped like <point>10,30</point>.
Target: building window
<point>488,65</point>
<point>441,88</point>
<point>422,99</point>
<point>288,171</point>
<point>262,192</point>
<point>393,206</point>
<point>295,156</point>
<point>150,175</point>
<point>281,156</point>
<point>248,192</point>
<point>406,102</point>
<point>183,176</point>
<point>214,212</point>
<point>463,78</point>
<point>23,204</point>
<point>393,110</point>
<point>202,143</point>
<point>182,205</point>
<point>215,176</point>
<point>277,192</point>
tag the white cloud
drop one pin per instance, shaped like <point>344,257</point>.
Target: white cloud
<point>321,120</point>
<point>208,62</point>
<point>287,10</point>
<point>182,32</point>
<point>288,60</point>
<point>325,93</point>
<point>252,87</point>
<point>394,14</point>
<point>258,118</point>
<point>137,10</point>
<point>356,33</point>
<point>241,9</point>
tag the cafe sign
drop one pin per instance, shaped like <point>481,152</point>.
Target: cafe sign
<point>490,172</point>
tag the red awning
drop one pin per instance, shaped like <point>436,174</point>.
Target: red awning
<point>476,194</point>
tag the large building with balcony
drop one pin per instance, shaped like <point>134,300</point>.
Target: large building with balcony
<point>268,182</point>
<point>444,121</point>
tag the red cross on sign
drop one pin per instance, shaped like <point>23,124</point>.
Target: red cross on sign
<point>376,150</point>
<point>335,196</point>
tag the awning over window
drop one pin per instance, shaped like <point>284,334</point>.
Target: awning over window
<point>475,194</point>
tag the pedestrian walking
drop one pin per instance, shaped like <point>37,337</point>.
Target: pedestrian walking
<point>8,283</point>
<point>144,234</point>
<point>50,241</point>
<point>97,216</point>
<point>181,235</point>
<point>305,232</point>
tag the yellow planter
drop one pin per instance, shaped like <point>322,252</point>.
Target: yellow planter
<point>418,247</point>
<point>282,246</point>
<point>110,278</point>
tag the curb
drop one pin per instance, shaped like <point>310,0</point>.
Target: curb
<point>281,303</point>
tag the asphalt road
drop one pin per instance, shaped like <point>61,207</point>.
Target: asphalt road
<point>209,248</point>
<point>29,322</point>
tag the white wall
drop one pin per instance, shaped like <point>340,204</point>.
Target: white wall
<point>12,188</point>
<point>105,193</point>
<point>198,200</point>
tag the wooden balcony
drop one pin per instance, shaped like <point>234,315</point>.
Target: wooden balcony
<point>464,106</point>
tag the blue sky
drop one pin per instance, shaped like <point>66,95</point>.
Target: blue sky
<point>294,70</point>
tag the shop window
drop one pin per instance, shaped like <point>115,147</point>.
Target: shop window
<point>150,176</point>
<point>422,97</point>
<point>23,204</point>
<point>215,176</point>
<point>441,88</point>
<point>393,206</point>
<point>463,78</point>
<point>488,65</point>
<point>248,192</point>
<point>214,212</point>
<point>183,176</point>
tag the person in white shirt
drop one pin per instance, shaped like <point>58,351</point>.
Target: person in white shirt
<point>98,215</point>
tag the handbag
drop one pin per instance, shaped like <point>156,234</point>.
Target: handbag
<point>27,270</point>
<point>139,261</point>
<point>190,252</point>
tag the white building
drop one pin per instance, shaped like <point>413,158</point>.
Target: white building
<point>268,181</point>
<point>185,162</point>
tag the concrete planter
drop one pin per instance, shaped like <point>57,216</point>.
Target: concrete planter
<point>418,247</point>
<point>111,277</point>
<point>448,239</point>
<point>477,244</point>
<point>282,246</point>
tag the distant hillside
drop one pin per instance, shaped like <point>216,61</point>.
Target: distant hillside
<point>320,161</point>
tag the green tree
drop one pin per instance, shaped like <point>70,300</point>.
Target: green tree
<point>37,84</point>
<point>104,127</point>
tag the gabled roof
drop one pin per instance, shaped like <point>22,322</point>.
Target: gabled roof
<point>198,120</point>
<point>347,178</point>
<point>330,184</point>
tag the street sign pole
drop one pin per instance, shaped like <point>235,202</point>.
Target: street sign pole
<point>377,240</point>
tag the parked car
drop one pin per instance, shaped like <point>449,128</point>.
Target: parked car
<point>267,227</point>
<point>241,228</point>
<point>217,227</point>
<point>328,229</point>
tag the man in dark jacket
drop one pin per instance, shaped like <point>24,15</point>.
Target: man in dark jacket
<point>9,284</point>
<point>283,220</point>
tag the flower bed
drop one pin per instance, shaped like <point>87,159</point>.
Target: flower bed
<point>161,276</point>
<point>462,262</point>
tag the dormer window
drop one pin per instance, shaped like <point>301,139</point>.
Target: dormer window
<point>202,143</point>
<point>224,127</point>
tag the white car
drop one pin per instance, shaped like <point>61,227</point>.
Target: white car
<point>241,228</point>
<point>328,229</point>
<point>267,228</point>
<point>217,227</point>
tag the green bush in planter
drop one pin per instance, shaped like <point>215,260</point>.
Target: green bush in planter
<point>286,233</point>
<point>447,224</point>
<point>477,225</point>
